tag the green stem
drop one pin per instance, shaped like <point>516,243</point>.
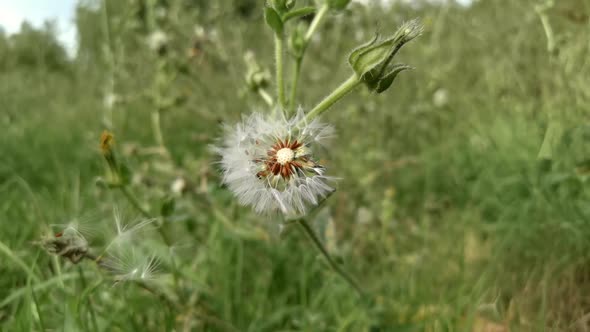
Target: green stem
<point>90,306</point>
<point>298,13</point>
<point>554,129</point>
<point>318,244</point>
<point>37,307</point>
<point>541,11</point>
<point>316,22</point>
<point>267,98</point>
<point>157,128</point>
<point>4,249</point>
<point>279,50</point>
<point>108,118</point>
<point>135,202</point>
<point>299,59</point>
<point>551,139</point>
<point>296,72</point>
<point>341,91</point>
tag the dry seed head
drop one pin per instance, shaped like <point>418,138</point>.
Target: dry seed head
<point>269,162</point>
<point>131,264</point>
<point>127,232</point>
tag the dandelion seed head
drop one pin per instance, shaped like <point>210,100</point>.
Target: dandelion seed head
<point>69,242</point>
<point>131,264</point>
<point>127,232</point>
<point>269,162</point>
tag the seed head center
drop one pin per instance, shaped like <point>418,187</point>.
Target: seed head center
<point>285,155</point>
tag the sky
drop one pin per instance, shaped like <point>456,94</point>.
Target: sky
<point>14,12</point>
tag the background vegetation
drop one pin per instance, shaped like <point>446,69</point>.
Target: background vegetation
<point>449,212</point>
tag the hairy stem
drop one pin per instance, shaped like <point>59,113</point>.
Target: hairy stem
<point>341,91</point>
<point>296,72</point>
<point>318,244</point>
<point>279,50</point>
<point>319,17</point>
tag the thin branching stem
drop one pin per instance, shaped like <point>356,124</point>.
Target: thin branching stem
<point>135,202</point>
<point>157,129</point>
<point>296,74</point>
<point>90,306</point>
<point>319,17</point>
<point>303,11</point>
<point>554,129</point>
<point>318,244</point>
<point>37,307</point>
<point>108,118</point>
<point>341,91</point>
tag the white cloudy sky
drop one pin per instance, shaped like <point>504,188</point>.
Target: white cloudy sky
<point>14,12</point>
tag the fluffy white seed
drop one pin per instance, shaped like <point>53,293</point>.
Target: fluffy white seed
<point>244,151</point>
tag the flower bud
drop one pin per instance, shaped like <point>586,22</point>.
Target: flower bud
<point>106,144</point>
<point>282,6</point>
<point>297,42</point>
<point>372,61</point>
<point>256,76</point>
<point>119,173</point>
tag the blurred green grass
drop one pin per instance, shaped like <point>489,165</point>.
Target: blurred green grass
<point>444,212</point>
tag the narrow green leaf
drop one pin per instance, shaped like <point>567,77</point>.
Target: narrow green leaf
<point>273,19</point>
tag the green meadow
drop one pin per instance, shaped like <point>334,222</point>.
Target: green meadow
<point>462,201</point>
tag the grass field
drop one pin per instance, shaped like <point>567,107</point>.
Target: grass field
<point>462,204</point>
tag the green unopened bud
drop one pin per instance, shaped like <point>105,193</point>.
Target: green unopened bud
<point>297,42</point>
<point>279,5</point>
<point>382,81</point>
<point>338,4</point>
<point>256,77</point>
<point>372,61</point>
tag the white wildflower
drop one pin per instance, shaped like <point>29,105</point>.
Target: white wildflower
<point>178,186</point>
<point>440,98</point>
<point>268,162</point>
<point>110,100</point>
<point>157,40</point>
